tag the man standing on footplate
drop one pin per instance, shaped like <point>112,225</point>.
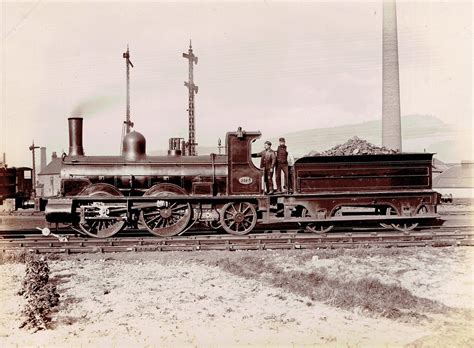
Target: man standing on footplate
<point>267,163</point>
<point>282,165</point>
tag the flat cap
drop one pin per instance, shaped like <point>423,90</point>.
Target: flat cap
<point>268,143</point>
<point>281,139</point>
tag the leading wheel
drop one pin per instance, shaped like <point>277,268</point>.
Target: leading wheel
<point>238,218</point>
<point>168,217</point>
<point>101,219</point>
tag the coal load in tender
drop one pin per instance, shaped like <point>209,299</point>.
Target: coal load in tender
<point>354,146</point>
<point>41,295</point>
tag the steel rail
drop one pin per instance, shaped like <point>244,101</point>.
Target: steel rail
<point>34,233</point>
<point>265,241</point>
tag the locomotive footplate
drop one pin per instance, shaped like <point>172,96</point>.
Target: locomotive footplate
<point>402,207</point>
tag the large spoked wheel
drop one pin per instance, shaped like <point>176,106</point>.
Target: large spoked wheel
<point>101,219</point>
<point>167,218</point>
<point>238,218</point>
<point>316,227</point>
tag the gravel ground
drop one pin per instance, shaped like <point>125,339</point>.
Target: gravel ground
<point>184,299</point>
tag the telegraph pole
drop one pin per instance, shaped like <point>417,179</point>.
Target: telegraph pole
<point>32,149</point>
<point>127,124</point>
<point>192,88</point>
<point>128,64</point>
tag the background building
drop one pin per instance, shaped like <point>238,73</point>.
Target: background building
<point>457,180</point>
<point>49,180</point>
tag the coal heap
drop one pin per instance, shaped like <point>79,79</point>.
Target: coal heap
<point>354,146</point>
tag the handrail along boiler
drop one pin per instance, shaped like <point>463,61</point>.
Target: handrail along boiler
<point>101,195</point>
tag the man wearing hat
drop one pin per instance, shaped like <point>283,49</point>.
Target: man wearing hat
<point>267,163</point>
<point>281,164</point>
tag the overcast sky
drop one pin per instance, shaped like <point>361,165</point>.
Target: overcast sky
<point>267,66</point>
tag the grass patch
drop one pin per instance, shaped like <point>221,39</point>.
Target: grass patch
<point>21,256</point>
<point>13,257</point>
<point>354,252</point>
<point>367,294</point>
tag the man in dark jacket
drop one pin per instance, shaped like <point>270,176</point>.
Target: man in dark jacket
<point>281,165</point>
<point>267,163</point>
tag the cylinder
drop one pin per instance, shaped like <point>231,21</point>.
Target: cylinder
<point>75,136</point>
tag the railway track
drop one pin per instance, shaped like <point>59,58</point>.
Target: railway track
<point>446,236</point>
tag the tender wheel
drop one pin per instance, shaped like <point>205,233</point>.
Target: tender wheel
<point>388,211</point>
<point>422,210</point>
<point>405,227</point>
<point>167,218</point>
<point>316,227</point>
<point>99,219</point>
<point>238,218</point>
<point>402,227</point>
<point>319,228</point>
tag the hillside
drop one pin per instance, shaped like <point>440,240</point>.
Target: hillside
<point>420,133</point>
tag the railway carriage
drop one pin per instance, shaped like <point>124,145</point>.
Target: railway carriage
<point>17,184</point>
<point>101,195</point>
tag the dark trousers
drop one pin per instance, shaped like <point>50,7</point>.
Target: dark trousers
<point>281,168</point>
<point>268,178</point>
<point>291,175</point>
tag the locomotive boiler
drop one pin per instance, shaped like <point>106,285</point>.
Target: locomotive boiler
<point>101,195</point>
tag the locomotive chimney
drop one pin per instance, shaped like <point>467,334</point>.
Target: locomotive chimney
<point>75,136</point>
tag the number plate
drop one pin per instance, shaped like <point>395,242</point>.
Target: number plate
<point>245,180</point>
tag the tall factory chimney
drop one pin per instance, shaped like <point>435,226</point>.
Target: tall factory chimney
<point>42,158</point>
<point>391,120</point>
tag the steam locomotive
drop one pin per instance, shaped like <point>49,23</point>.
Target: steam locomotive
<point>101,195</point>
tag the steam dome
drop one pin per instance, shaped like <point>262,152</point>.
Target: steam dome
<point>134,146</point>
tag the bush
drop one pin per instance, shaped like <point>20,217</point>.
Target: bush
<point>41,296</point>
